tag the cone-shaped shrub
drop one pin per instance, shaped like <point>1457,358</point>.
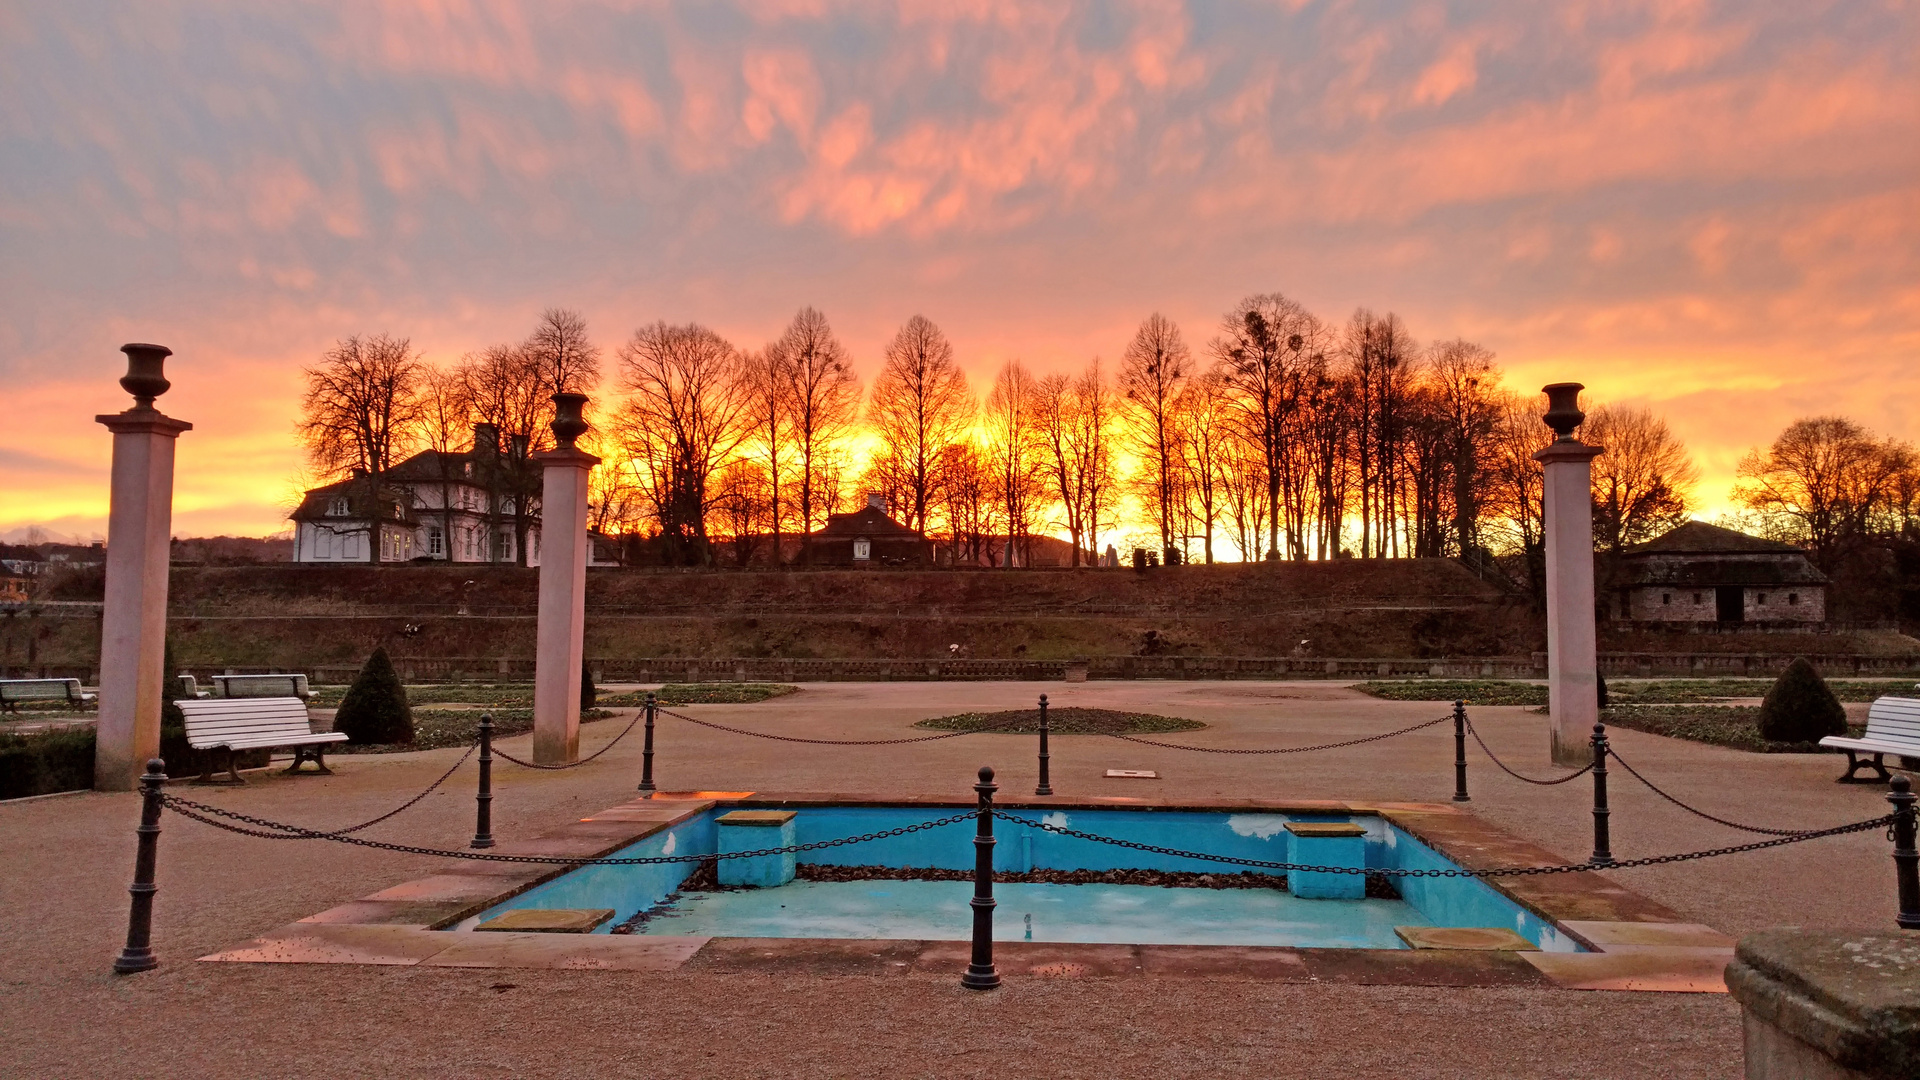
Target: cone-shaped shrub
<point>1600,688</point>
<point>375,707</point>
<point>589,694</point>
<point>1800,708</point>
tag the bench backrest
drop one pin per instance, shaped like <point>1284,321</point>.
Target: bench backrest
<point>213,721</point>
<point>261,686</point>
<point>38,689</point>
<point>1895,720</point>
<point>189,686</point>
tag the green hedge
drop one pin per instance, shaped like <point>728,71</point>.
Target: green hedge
<point>61,759</point>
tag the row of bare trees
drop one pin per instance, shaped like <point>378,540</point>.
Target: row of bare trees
<point>1286,438</point>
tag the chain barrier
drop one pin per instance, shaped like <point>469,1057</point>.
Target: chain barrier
<point>210,815</point>
<point>1695,811</point>
<point>499,753</point>
<point>836,742</point>
<point>295,832</point>
<point>1509,871</point>
<point>1503,765</point>
<point>1280,750</point>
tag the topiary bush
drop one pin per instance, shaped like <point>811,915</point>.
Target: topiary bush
<point>589,693</point>
<point>1800,708</point>
<point>375,709</point>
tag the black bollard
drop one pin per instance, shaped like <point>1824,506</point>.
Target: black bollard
<point>1046,786</point>
<point>646,750</point>
<point>980,973</point>
<point>1906,860</point>
<point>483,801</point>
<point>1460,752</point>
<point>138,954</point>
<point>1602,843</point>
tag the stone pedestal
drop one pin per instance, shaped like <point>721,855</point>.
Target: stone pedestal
<point>1829,1005</point>
<point>1572,641</point>
<point>133,625</point>
<point>757,830</point>
<point>1327,843</point>
<point>560,635</point>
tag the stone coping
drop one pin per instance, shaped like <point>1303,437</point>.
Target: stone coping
<point>1638,944</point>
<point>1852,995</point>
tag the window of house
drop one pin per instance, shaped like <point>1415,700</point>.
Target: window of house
<point>1666,598</point>
<point>1762,598</point>
<point>338,506</point>
<point>862,549</point>
<point>436,541</point>
<point>1793,598</point>
<point>1696,598</point>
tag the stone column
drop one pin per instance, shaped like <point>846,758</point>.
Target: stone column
<point>133,625</point>
<point>1572,646</point>
<point>560,639</point>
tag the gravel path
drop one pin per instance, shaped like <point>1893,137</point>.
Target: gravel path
<point>68,860</point>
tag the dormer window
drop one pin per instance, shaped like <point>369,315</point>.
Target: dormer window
<point>862,549</point>
<point>338,506</point>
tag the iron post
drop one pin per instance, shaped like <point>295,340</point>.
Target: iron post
<point>1460,752</point>
<point>646,750</point>
<point>1906,860</point>
<point>981,974</point>
<point>1046,785</point>
<point>483,800</point>
<point>1602,843</point>
<point>138,953</point>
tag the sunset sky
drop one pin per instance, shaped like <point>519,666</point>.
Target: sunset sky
<point>1711,208</point>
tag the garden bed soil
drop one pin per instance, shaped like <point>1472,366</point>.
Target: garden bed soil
<point>1065,721</point>
<point>434,729</point>
<point>1732,726</point>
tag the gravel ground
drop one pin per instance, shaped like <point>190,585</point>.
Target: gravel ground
<point>68,860</point>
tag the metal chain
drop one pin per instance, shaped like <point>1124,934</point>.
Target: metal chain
<point>499,753</point>
<point>1517,776</point>
<point>1281,750</point>
<point>1697,812</point>
<point>1510,871</point>
<point>200,812</point>
<point>830,742</point>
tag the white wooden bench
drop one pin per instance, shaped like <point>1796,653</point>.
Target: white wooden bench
<point>234,724</point>
<point>15,691</point>
<point>1893,727</point>
<point>262,686</point>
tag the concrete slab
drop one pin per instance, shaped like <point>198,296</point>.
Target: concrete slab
<point>421,914</point>
<point>1621,936</point>
<point>324,943</point>
<point>1466,938</point>
<point>1698,971</point>
<point>814,956</point>
<point>596,952</point>
<point>547,921</point>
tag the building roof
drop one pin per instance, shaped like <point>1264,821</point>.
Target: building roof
<point>1700,538</point>
<point>1707,572</point>
<point>869,521</point>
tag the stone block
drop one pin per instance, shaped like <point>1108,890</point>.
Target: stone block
<point>1478,938</point>
<point>1828,1005</point>
<point>1327,843</point>
<point>549,920</point>
<point>757,830</point>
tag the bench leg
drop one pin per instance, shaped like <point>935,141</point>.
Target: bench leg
<point>1855,764</point>
<point>315,754</point>
<point>233,773</point>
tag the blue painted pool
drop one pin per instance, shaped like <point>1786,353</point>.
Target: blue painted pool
<point>937,910</point>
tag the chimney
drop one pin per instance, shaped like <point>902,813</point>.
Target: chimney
<point>877,502</point>
<point>486,439</point>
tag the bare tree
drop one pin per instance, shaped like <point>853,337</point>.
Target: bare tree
<point>1641,485</point>
<point>1012,425</point>
<point>823,401</point>
<point>1467,404</point>
<point>1204,455</point>
<point>1075,415</point>
<point>919,407</point>
<point>511,405</point>
<point>970,508</point>
<point>444,421</point>
<point>358,416</point>
<point>1153,371</point>
<point>767,386</point>
<point>1822,483</point>
<point>1259,354</point>
<point>1380,354</point>
<point>563,357</point>
<point>684,420</point>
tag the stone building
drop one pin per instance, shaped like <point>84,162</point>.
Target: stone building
<point>868,537</point>
<point>432,507</point>
<point>1703,575</point>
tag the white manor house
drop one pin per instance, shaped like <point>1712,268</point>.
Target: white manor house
<point>433,507</point>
